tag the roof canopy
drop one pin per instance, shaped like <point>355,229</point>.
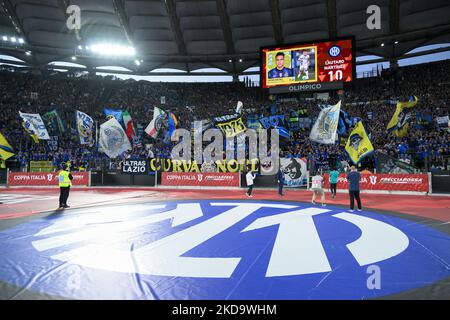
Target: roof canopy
<point>194,34</point>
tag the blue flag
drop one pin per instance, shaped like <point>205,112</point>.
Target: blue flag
<point>283,132</point>
<point>344,123</point>
<point>117,114</point>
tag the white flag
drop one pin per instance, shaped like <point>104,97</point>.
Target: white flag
<point>239,107</point>
<point>33,122</point>
<point>324,130</point>
<point>155,125</point>
<point>85,127</point>
<point>113,140</point>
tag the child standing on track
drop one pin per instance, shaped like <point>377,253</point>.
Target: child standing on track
<point>316,187</point>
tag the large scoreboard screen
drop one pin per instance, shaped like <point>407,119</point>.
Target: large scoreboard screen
<point>315,62</point>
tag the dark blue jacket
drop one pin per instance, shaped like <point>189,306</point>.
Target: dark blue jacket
<point>280,176</point>
<point>353,180</point>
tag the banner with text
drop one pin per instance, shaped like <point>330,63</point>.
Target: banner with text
<point>45,179</point>
<point>389,182</point>
<point>170,165</point>
<point>41,166</point>
<point>202,179</point>
<point>135,166</point>
<point>231,125</point>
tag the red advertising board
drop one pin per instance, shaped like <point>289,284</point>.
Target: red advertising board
<point>203,179</point>
<point>44,179</point>
<point>389,182</point>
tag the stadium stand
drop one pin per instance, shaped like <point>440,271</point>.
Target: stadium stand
<point>426,147</point>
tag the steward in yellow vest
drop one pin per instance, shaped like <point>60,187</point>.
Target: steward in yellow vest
<point>65,181</point>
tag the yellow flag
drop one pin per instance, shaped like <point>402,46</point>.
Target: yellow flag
<point>33,136</point>
<point>399,123</point>
<point>358,144</point>
<point>6,151</point>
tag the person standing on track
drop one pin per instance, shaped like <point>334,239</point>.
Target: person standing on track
<point>353,178</point>
<point>316,187</point>
<point>280,178</point>
<point>65,181</point>
<point>249,177</point>
<point>334,174</point>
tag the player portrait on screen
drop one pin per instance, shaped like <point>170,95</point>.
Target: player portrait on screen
<point>280,71</point>
<point>314,62</point>
<point>305,68</point>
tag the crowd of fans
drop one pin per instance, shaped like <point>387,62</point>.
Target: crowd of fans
<point>371,99</point>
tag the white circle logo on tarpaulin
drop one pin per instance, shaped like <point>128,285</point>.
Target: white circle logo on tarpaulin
<point>225,249</point>
<point>167,255</point>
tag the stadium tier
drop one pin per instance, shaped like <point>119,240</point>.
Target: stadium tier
<point>425,147</point>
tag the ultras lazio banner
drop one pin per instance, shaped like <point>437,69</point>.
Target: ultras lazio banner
<point>134,166</point>
<point>231,125</point>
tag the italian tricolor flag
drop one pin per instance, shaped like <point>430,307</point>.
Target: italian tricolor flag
<point>151,129</point>
<point>129,128</point>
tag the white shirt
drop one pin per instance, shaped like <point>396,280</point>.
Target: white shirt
<point>304,59</point>
<point>317,182</point>
<point>249,177</point>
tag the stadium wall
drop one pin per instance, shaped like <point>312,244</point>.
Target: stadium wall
<point>437,183</point>
<point>441,182</point>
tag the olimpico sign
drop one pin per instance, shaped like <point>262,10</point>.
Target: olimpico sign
<point>306,87</point>
<point>226,249</point>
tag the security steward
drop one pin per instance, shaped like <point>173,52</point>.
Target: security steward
<point>65,181</point>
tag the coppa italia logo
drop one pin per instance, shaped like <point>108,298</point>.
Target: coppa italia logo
<point>224,249</point>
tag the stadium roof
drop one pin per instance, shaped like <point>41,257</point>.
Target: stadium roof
<point>194,34</point>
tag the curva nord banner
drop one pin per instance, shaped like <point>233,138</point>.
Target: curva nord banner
<point>202,179</point>
<point>44,179</point>
<point>170,165</point>
<point>389,182</point>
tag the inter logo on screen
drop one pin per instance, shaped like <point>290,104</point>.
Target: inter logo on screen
<point>334,51</point>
